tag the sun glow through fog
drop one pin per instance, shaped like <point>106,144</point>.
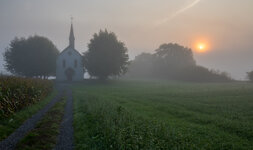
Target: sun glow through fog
<point>201,47</point>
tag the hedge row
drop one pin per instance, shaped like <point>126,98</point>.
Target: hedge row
<point>17,93</point>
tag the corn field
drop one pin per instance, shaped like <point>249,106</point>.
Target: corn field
<point>17,93</point>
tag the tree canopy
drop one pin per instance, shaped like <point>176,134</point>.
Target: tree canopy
<point>31,57</point>
<point>175,55</point>
<point>106,56</point>
<point>174,62</point>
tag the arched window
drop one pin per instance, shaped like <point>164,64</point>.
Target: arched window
<point>63,63</point>
<point>75,63</point>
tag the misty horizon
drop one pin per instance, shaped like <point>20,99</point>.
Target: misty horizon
<point>226,26</point>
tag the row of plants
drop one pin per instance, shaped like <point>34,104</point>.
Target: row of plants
<point>17,93</point>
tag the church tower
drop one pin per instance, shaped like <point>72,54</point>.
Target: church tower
<point>71,37</point>
<point>69,64</point>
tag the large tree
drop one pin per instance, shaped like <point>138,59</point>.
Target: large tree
<point>172,58</point>
<point>106,56</point>
<point>31,57</point>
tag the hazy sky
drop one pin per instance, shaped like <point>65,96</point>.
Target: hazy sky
<point>225,25</point>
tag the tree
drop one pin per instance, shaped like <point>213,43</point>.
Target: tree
<point>106,56</point>
<point>142,65</point>
<point>172,59</point>
<point>31,57</point>
<point>173,62</point>
<point>250,75</point>
<point>175,55</point>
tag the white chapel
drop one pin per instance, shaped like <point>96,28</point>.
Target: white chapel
<point>69,64</point>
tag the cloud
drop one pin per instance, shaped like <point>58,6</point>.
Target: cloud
<point>164,20</point>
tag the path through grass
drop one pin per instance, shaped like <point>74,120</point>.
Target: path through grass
<point>44,135</point>
<point>10,124</point>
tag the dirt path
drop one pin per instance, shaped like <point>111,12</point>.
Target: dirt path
<point>10,142</point>
<point>65,139</point>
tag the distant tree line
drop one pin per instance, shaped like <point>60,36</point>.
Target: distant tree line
<point>172,62</point>
<point>107,57</point>
<point>250,75</point>
<point>36,56</point>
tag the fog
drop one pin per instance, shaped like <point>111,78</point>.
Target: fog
<point>143,25</point>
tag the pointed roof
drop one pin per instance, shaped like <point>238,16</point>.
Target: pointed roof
<point>71,41</point>
<point>71,37</point>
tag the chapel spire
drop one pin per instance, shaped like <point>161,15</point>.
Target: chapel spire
<point>71,36</point>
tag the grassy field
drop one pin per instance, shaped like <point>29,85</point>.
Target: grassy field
<point>163,115</point>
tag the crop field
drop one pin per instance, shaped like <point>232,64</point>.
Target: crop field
<point>163,115</point>
<point>17,93</point>
<point>20,98</point>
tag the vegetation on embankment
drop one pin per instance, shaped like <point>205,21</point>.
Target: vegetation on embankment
<point>163,115</point>
<point>17,93</point>
<point>10,124</point>
<point>44,135</point>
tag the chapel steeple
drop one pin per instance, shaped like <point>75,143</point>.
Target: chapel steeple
<point>71,36</point>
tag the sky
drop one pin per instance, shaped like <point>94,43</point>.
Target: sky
<point>224,26</point>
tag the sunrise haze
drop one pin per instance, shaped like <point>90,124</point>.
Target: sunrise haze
<point>219,32</point>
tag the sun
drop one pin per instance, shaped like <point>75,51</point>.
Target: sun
<point>201,47</point>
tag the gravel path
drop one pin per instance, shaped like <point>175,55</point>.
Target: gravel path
<point>10,142</point>
<point>65,138</point>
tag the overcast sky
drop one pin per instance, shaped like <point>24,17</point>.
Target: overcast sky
<point>225,25</point>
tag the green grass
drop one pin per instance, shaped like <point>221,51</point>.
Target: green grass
<point>8,125</point>
<point>44,135</point>
<point>163,115</point>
